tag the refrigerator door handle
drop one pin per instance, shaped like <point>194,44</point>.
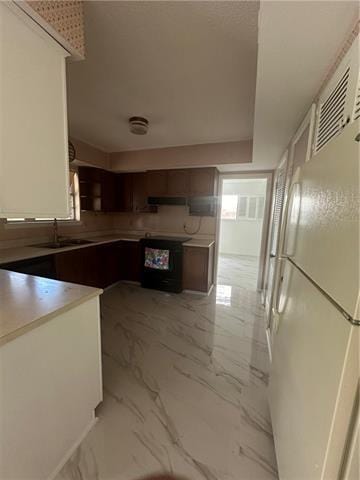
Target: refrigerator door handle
<point>280,294</point>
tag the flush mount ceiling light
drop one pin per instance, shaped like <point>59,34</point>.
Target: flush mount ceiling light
<point>138,125</point>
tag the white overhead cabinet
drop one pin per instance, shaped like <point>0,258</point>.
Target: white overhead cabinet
<point>34,171</point>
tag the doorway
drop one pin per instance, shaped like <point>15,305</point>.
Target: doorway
<point>242,229</point>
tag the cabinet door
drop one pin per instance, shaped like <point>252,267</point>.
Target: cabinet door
<point>130,261</point>
<point>91,263</point>
<point>202,181</point>
<point>196,269</point>
<point>109,255</point>
<point>178,182</point>
<point>79,266</point>
<point>140,195</point>
<point>124,192</point>
<point>108,192</point>
<point>69,266</point>
<point>34,170</point>
<point>156,183</point>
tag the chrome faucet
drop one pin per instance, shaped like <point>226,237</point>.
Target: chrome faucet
<point>55,232</point>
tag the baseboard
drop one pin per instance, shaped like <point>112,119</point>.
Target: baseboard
<point>130,282</point>
<point>72,449</point>
<point>197,292</point>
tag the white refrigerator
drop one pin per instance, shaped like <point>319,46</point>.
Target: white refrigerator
<point>314,378</point>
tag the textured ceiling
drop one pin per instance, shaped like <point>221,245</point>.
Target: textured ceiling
<point>189,67</point>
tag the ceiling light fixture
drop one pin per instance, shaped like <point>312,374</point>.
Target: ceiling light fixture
<point>138,125</point>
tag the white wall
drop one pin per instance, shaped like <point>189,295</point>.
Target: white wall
<point>242,236</point>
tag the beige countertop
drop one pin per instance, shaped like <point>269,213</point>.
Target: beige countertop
<point>14,254</point>
<point>199,242</point>
<point>27,301</point>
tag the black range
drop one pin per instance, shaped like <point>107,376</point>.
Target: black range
<point>162,262</point>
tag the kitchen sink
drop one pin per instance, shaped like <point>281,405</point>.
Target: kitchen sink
<point>78,241</point>
<point>64,243</point>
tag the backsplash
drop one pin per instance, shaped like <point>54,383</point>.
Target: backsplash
<point>169,219</point>
<point>27,234</point>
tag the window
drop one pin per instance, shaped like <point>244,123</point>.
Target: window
<point>229,207</point>
<point>243,201</point>
<point>242,207</point>
<point>74,205</point>
<point>260,207</point>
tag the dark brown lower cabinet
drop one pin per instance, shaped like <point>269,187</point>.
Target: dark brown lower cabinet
<point>130,261</point>
<point>109,264</point>
<point>198,268</point>
<point>97,266</point>
<point>78,266</point>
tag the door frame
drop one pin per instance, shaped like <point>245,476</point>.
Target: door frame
<point>308,121</point>
<point>264,174</point>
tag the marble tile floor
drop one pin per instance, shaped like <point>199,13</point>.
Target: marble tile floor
<point>238,270</point>
<point>185,380</point>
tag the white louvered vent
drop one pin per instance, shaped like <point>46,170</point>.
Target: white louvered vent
<point>278,207</point>
<point>356,113</point>
<point>332,112</point>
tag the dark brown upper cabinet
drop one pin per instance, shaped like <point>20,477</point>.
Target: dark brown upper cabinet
<point>178,183</point>
<point>108,192</point>
<point>105,191</point>
<point>203,181</point>
<point>132,193</point>
<point>157,183</point>
<point>124,192</point>
<point>91,189</point>
<point>182,182</point>
<point>140,194</point>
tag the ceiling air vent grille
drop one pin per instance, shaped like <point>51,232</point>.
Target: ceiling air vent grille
<point>331,114</point>
<point>356,114</point>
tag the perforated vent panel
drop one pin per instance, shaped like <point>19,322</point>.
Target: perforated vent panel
<point>331,115</point>
<point>278,205</point>
<point>356,113</point>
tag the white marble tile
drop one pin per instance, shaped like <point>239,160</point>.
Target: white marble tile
<point>238,270</point>
<point>185,381</point>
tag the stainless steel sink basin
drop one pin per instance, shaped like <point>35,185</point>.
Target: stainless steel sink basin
<point>78,241</point>
<point>64,243</point>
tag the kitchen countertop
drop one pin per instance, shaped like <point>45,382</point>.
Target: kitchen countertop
<point>199,242</point>
<point>8,255</point>
<point>28,301</point>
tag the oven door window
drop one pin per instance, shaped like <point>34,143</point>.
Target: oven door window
<point>157,258</point>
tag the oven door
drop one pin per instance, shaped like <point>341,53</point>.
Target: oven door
<point>161,265</point>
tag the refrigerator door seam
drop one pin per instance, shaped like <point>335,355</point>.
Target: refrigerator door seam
<point>345,314</point>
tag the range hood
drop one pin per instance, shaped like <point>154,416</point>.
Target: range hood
<point>167,201</point>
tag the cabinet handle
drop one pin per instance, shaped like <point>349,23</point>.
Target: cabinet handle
<point>357,138</point>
